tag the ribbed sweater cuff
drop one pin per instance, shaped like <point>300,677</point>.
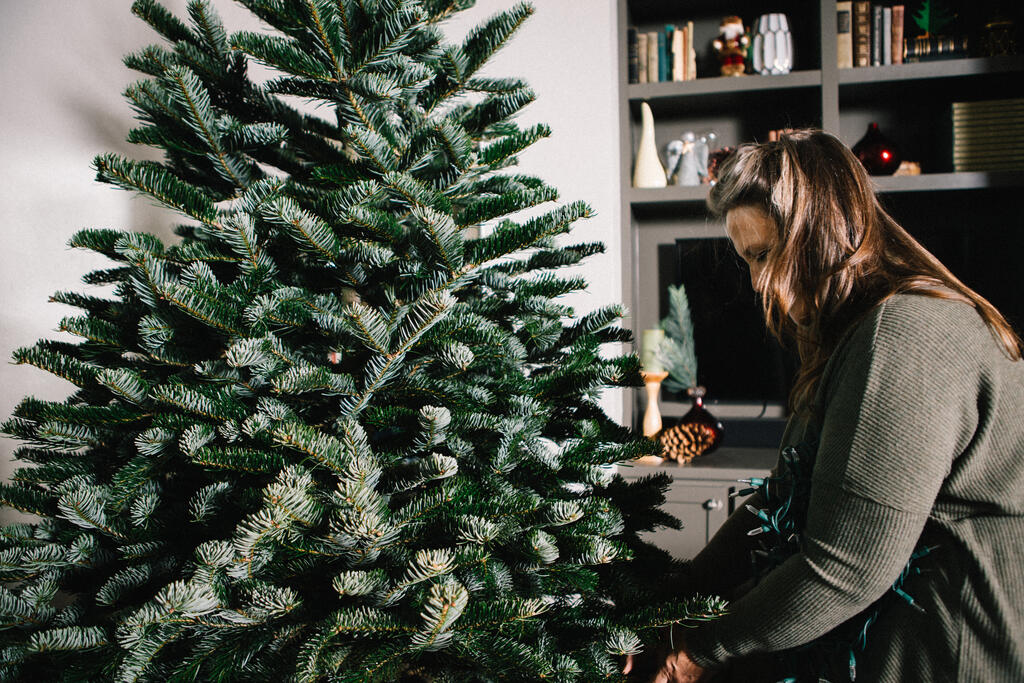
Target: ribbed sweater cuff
<point>703,647</point>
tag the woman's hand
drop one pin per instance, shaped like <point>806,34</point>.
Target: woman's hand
<point>676,667</point>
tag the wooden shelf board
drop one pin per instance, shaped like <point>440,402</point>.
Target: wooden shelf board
<point>927,182</point>
<point>946,68</point>
<point>723,84</point>
<point>673,194</point>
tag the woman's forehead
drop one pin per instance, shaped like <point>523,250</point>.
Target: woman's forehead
<point>749,225</point>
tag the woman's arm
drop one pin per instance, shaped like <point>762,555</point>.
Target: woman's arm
<point>890,430</point>
<point>723,566</point>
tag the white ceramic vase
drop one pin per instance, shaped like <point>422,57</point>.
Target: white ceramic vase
<point>648,171</point>
<point>772,49</point>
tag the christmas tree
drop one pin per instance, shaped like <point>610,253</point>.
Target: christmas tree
<point>333,433</point>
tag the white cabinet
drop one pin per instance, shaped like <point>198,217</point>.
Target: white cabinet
<point>700,494</point>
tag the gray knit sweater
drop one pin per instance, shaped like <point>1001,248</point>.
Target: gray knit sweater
<point>920,437</point>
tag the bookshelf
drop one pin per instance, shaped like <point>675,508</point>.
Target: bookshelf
<point>968,219</point>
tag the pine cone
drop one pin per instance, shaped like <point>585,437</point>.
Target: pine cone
<point>686,441</point>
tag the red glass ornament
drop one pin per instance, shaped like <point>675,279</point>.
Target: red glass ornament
<point>878,154</point>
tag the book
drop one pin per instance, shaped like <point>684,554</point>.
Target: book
<point>897,34</point>
<point>984,165</point>
<point>685,48</point>
<point>988,135</point>
<point>886,35</point>
<point>995,132</point>
<point>965,121</point>
<point>877,35</point>
<point>678,55</point>
<point>861,33</point>
<point>1003,136</point>
<point>844,34</point>
<point>691,53</point>
<point>641,51</point>
<point>632,56</point>
<point>929,48</point>
<point>652,56</point>
<point>991,153</point>
<point>664,63</point>
<point>1010,103</point>
<point>973,124</point>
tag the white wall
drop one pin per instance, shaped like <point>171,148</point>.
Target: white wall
<point>62,79</point>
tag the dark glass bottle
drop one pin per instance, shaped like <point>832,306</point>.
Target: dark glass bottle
<point>878,154</point>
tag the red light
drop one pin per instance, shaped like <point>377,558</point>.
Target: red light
<point>886,155</point>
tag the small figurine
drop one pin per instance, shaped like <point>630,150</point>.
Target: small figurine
<point>693,164</point>
<point>716,158</point>
<point>689,171</point>
<point>705,143</point>
<point>731,46</point>
<point>673,155</point>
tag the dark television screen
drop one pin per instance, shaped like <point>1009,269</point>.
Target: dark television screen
<point>738,360</point>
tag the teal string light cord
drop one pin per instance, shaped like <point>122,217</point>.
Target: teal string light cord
<point>780,524</point>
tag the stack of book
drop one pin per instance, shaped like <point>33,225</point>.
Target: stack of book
<point>667,55</point>
<point>869,34</point>
<point>988,135</point>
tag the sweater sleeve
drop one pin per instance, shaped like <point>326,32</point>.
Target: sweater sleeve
<point>899,402</point>
<point>715,569</point>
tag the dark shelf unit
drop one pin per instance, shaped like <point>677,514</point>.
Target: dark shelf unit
<point>967,218</point>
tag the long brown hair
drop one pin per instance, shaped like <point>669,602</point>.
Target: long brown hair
<point>838,254</point>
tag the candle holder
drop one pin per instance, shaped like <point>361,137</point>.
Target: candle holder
<point>652,414</point>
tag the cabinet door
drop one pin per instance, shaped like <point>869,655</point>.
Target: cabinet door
<point>702,506</point>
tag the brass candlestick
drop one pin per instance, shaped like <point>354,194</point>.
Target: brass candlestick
<point>652,414</point>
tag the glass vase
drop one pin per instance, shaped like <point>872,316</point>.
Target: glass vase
<point>772,49</point>
<point>878,154</point>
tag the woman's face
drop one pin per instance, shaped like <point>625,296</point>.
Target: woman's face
<point>752,233</point>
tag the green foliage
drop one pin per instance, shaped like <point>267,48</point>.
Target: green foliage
<point>328,435</point>
<point>677,352</point>
<point>932,17</point>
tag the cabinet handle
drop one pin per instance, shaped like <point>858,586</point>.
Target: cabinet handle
<point>712,504</point>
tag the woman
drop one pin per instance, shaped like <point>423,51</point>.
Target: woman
<point>907,419</point>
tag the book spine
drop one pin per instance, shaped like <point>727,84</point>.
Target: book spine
<point>897,34</point>
<point>844,34</point>
<point>861,33</point>
<point>876,35</point>
<point>685,39</point>
<point>929,48</point>
<point>691,53</point>
<point>678,71</point>
<point>968,115</point>
<point>641,51</point>
<point>664,64</point>
<point>632,56</point>
<point>652,57</point>
<point>990,126</point>
<point>1001,103</point>
<point>886,35</point>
